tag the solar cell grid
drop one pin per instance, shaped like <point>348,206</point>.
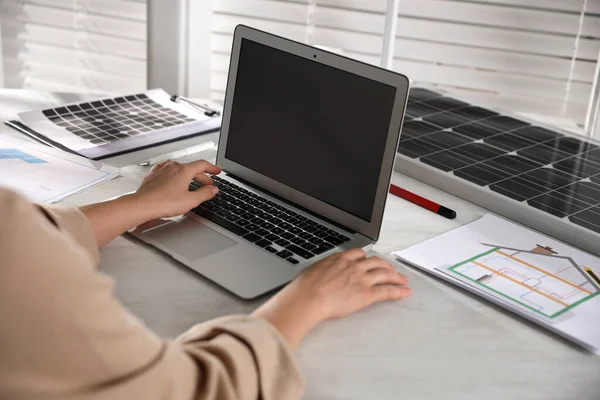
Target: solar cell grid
<point>104,121</point>
<point>523,162</point>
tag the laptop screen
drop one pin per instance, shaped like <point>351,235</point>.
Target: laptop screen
<point>312,127</point>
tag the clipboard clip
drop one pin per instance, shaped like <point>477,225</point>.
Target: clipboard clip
<point>209,112</point>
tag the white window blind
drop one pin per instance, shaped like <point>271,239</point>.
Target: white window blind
<point>74,45</point>
<point>283,17</point>
<point>518,55</point>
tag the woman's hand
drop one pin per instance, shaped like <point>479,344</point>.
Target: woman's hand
<point>163,193</point>
<point>165,190</point>
<point>334,287</point>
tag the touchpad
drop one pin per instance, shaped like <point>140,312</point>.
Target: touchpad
<point>190,239</point>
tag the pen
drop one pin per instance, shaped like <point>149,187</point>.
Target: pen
<point>592,274</point>
<point>178,154</point>
<point>423,202</point>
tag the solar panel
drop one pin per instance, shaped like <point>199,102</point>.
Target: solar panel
<point>534,175</point>
<point>111,126</point>
<point>108,120</point>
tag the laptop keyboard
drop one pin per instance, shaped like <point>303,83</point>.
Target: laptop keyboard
<point>266,224</point>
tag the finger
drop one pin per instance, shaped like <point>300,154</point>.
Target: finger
<point>158,166</point>
<point>388,292</point>
<point>381,276</point>
<point>374,262</point>
<point>205,193</point>
<point>202,166</point>
<point>353,254</point>
<point>203,179</point>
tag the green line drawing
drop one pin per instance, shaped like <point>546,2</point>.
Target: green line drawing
<point>495,249</point>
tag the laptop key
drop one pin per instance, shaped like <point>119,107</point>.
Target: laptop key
<point>222,222</point>
<point>287,235</point>
<point>272,237</point>
<point>277,231</point>
<point>344,238</point>
<point>251,237</point>
<point>334,239</point>
<point>305,235</point>
<point>238,211</point>
<point>322,248</point>
<point>295,230</point>
<point>267,225</point>
<point>321,234</point>
<point>243,222</point>
<point>284,254</point>
<point>293,260</point>
<point>261,232</point>
<point>232,217</point>
<point>311,229</point>
<point>262,243</point>
<point>282,242</point>
<point>308,246</point>
<point>271,249</point>
<point>316,240</point>
<point>298,240</point>
<point>252,227</point>
<point>300,251</point>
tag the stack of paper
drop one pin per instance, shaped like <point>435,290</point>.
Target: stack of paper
<point>47,175</point>
<point>540,278</point>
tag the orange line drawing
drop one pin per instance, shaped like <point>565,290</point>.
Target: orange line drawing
<point>545,272</point>
<point>519,283</point>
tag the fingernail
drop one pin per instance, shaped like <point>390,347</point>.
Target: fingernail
<point>215,190</point>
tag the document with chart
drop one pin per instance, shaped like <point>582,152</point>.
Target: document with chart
<point>540,278</point>
<point>47,175</point>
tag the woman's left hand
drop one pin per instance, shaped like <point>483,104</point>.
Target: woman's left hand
<point>165,191</point>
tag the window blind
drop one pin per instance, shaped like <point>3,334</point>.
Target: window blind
<point>518,55</point>
<point>283,17</point>
<point>74,45</point>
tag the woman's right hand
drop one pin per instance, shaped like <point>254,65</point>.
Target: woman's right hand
<point>331,288</point>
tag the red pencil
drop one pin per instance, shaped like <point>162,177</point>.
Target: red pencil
<point>423,202</point>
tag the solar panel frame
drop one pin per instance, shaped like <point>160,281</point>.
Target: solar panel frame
<point>516,187</point>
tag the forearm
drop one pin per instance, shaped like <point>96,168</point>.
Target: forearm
<point>292,315</point>
<point>114,217</point>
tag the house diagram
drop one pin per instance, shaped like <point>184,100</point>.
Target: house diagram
<point>538,279</point>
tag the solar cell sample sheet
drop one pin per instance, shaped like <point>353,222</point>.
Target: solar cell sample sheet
<point>46,175</point>
<point>544,178</point>
<point>530,274</point>
<point>100,122</point>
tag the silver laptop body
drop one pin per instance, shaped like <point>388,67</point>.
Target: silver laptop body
<point>307,148</point>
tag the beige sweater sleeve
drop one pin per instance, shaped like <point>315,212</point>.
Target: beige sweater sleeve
<point>64,335</point>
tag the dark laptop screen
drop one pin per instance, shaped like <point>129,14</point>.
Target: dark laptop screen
<point>315,128</point>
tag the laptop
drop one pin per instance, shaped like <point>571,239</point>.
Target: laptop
<point>307,148</point>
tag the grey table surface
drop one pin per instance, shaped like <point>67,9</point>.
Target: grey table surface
<point>439,343</point>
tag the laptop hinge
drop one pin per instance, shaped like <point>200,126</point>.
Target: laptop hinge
<point>245,182</point>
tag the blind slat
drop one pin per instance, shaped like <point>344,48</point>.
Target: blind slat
<point>475,13</point>
<point>87,45</point>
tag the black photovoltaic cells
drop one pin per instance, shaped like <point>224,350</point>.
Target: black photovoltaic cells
<point>104,121</point>
<point>544,169</point>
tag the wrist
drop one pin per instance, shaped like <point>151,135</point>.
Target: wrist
<point>139,207</point>
<point>293,315</point>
